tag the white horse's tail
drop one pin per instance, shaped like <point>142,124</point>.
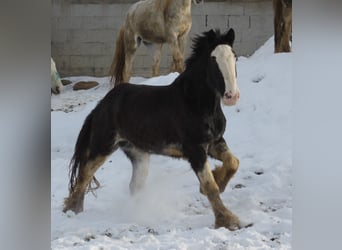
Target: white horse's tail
<point>118,64</point>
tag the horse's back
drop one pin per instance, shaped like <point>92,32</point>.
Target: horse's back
<point>152,115</point>
<point>150,100</point>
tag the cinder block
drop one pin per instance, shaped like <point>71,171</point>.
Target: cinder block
<point>102,61</point>
<point>67,22</point>
<point>58,35</point>
<point>198,25</point>
<point>56,10</point>
<point>219,8</point>
<point>262,23</point>
<point>92,49</point>
<point>245,48</point>
<point>94,22</point>
<point>61,48</point>
<point>217,22</point>
<point>103,35</point>
<point>114,10</point>
<point>259,8</point>
<point>262,40</point>
<point>62,64</point>
<point>113,22</point>
<point>249,35</point>
<point>81,10</point>
<point>81,61</point>
<point>78,36</point>
<point>239,22</point>
<point>88,10</point>
<point>254,37</point>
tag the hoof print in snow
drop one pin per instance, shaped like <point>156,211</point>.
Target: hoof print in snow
<point>237,186</point>
<point>89,237</point>
<point>152,231</point>
<point>248,225</point>
<point>275,239</point>
<point>107,233</point>
<point>258,79</point>
<point>260,172</point>
<point>85,85</point>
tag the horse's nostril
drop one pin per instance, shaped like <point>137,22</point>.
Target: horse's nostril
<point>228,96</point>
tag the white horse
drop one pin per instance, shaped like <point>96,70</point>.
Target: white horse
<point>152,22</point>
<point>56,83</point>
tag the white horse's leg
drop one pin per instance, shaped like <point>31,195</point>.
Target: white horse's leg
<point>131,46</point>
<point>177,55</point>
<point>155,51</point>
<point>140,173</point>
<point>182,40</point>
<point>140,163</point>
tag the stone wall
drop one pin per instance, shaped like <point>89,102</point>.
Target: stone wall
<point>84,32</point>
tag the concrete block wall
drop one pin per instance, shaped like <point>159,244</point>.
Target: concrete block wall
<point>84,32</point>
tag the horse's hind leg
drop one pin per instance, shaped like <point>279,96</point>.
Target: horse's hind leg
<point>131,45</point>
<point>156,59</point>
<point>223,174</point>
<point>140,163</point>
<point>85,175</point>
<point>223,216</point>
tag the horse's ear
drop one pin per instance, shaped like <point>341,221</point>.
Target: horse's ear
<point>229,37</point>
<point>211,35</point>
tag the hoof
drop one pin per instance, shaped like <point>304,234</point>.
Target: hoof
<point>76,210</point>
<point>73,205</point>
<point>229,221</point>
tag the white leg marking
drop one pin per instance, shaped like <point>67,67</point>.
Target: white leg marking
<point>140,172</point>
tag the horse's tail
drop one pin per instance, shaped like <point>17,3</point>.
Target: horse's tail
<point>81,155</point>
<point>118,64</point>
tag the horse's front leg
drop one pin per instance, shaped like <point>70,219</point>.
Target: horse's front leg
<point>223,216</point>
<point>222,174</point>
<point>131,45</point>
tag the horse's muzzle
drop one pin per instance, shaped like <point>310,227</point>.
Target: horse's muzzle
<point>231,100</point>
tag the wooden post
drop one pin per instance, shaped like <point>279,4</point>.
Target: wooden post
<point>282,25</point>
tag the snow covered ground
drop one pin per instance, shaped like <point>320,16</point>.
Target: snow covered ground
<point>170,213</point>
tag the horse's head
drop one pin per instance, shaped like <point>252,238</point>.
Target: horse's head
<point>225,58</point>
<point>212,54</point>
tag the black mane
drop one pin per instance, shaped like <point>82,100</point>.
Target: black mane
<point>206,43</point>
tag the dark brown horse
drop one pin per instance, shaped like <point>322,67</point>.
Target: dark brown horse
<point>185,120</point>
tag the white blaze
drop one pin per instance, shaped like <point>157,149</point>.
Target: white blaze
<point>225,59</point>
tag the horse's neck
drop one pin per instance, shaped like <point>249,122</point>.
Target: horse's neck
<point>197,91</point>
